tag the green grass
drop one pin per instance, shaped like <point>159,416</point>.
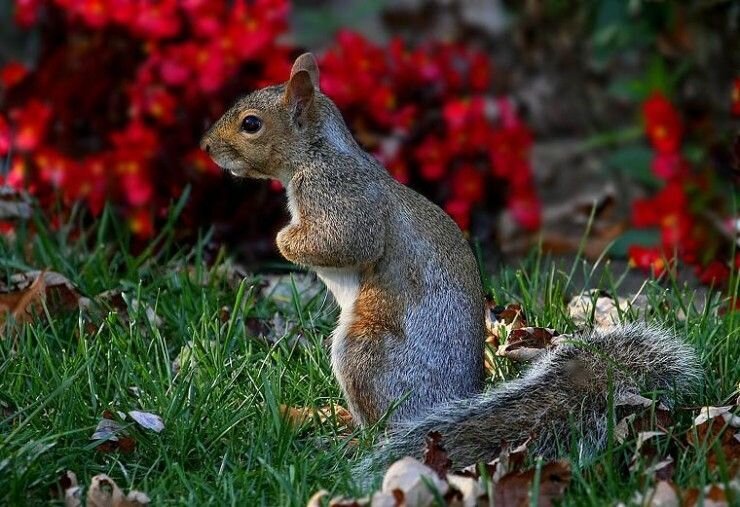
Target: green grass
<point>224,440</point>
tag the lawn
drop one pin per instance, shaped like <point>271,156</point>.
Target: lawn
<point>216,353</point>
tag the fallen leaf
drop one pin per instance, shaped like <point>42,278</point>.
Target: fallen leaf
<point>415,481</point>
<point>526,343</point>
<point>465,491</point>
<point>71,491</point>
<point>664,494</point>
<point>14,204</point>
<point>22,305</point>
<point>513,489</point>
<point>281,289</point>
<point>435,456</point>
<point>382,499</point>
<point>110,434</point>
<point>107,429</point>
<point>296,416</point>
<point>501,320</point>
<point>509,460</point>
<point>602,310</point>
<point>104,492</point>
<point>315,500</point>
<point>147,420</point>
<point>121,303</point>
<point>716,428</point>
<point>713,495</point>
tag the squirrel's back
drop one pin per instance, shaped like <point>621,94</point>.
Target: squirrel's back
<point>563,397</point>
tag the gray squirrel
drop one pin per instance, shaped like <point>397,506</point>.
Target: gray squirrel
<point>411,325</point>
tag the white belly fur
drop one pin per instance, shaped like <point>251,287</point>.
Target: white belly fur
<point>344,284</point>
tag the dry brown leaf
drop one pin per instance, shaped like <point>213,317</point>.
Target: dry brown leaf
<point>22,305</point>
<point>104,492</point>
<point>526,343</point>
<point>717,427</point>
<point>501,320</point>
<point>296,416</point>
<point>435,456</point>
<point>415,481</point>
<point>513,489</point>
<point>509,460</point>
<point>111,437</point>
<point>714,495</point>
<point>602,310</point>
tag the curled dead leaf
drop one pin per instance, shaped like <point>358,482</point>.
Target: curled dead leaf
<point>435,456</point>
<point>514,488</point>
<point>297,416</point>
<point>501,320</point>
<point>104,492</point>
<point>526,343</point>
<point>415,481</point>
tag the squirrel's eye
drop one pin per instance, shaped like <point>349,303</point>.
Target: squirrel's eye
<point>251,124</point>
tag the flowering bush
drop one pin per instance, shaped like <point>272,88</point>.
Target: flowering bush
<point>426,115</point>
<point>114,107</point>
<point>687,207</point>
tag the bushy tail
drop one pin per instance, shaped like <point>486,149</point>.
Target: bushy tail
<point>563,396</point>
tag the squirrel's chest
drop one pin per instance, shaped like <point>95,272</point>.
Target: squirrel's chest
<point>344,284</point>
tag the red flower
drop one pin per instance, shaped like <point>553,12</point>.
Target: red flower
<point>480,72</point>
<point>459,210</point>
<point>662,123</point>
<point>159,20</point>
<point>26,12</point>
<point>31,122</point>
<point>6,136</point>
<point>432,158</point>
<point>95,12</point>
<point>668,165</point>
<point>509,150</point>
<point>648,258</point>
<point>657,210</point>
<point>12,73</point>
<point>202,163</point>
<point>526,210</point>
<point>736,97</point>
<point>468,184</point>
<point>715,273</point>
<point>141,223</point>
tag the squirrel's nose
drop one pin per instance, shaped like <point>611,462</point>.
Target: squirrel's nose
<point>205,145</point>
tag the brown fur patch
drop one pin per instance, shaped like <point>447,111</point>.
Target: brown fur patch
<point>377,314</point>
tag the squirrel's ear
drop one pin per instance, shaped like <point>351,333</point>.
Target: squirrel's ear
<point>308,63</point>
<point>299,93</point>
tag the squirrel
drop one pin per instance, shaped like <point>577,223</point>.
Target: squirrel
<point>411,330</point>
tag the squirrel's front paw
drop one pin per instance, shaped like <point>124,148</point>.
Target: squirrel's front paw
<point>286,243</point>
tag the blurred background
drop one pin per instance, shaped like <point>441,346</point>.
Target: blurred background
<point>531,123</point>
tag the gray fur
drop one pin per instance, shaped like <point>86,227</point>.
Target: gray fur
<point>565,391</point>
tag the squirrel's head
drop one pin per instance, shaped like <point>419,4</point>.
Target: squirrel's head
<point>263,133</point>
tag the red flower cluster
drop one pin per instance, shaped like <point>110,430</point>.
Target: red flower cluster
<point>145,106</point>
<point>683,233</point>
<point>114,109</point>
<point>392,97</point>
